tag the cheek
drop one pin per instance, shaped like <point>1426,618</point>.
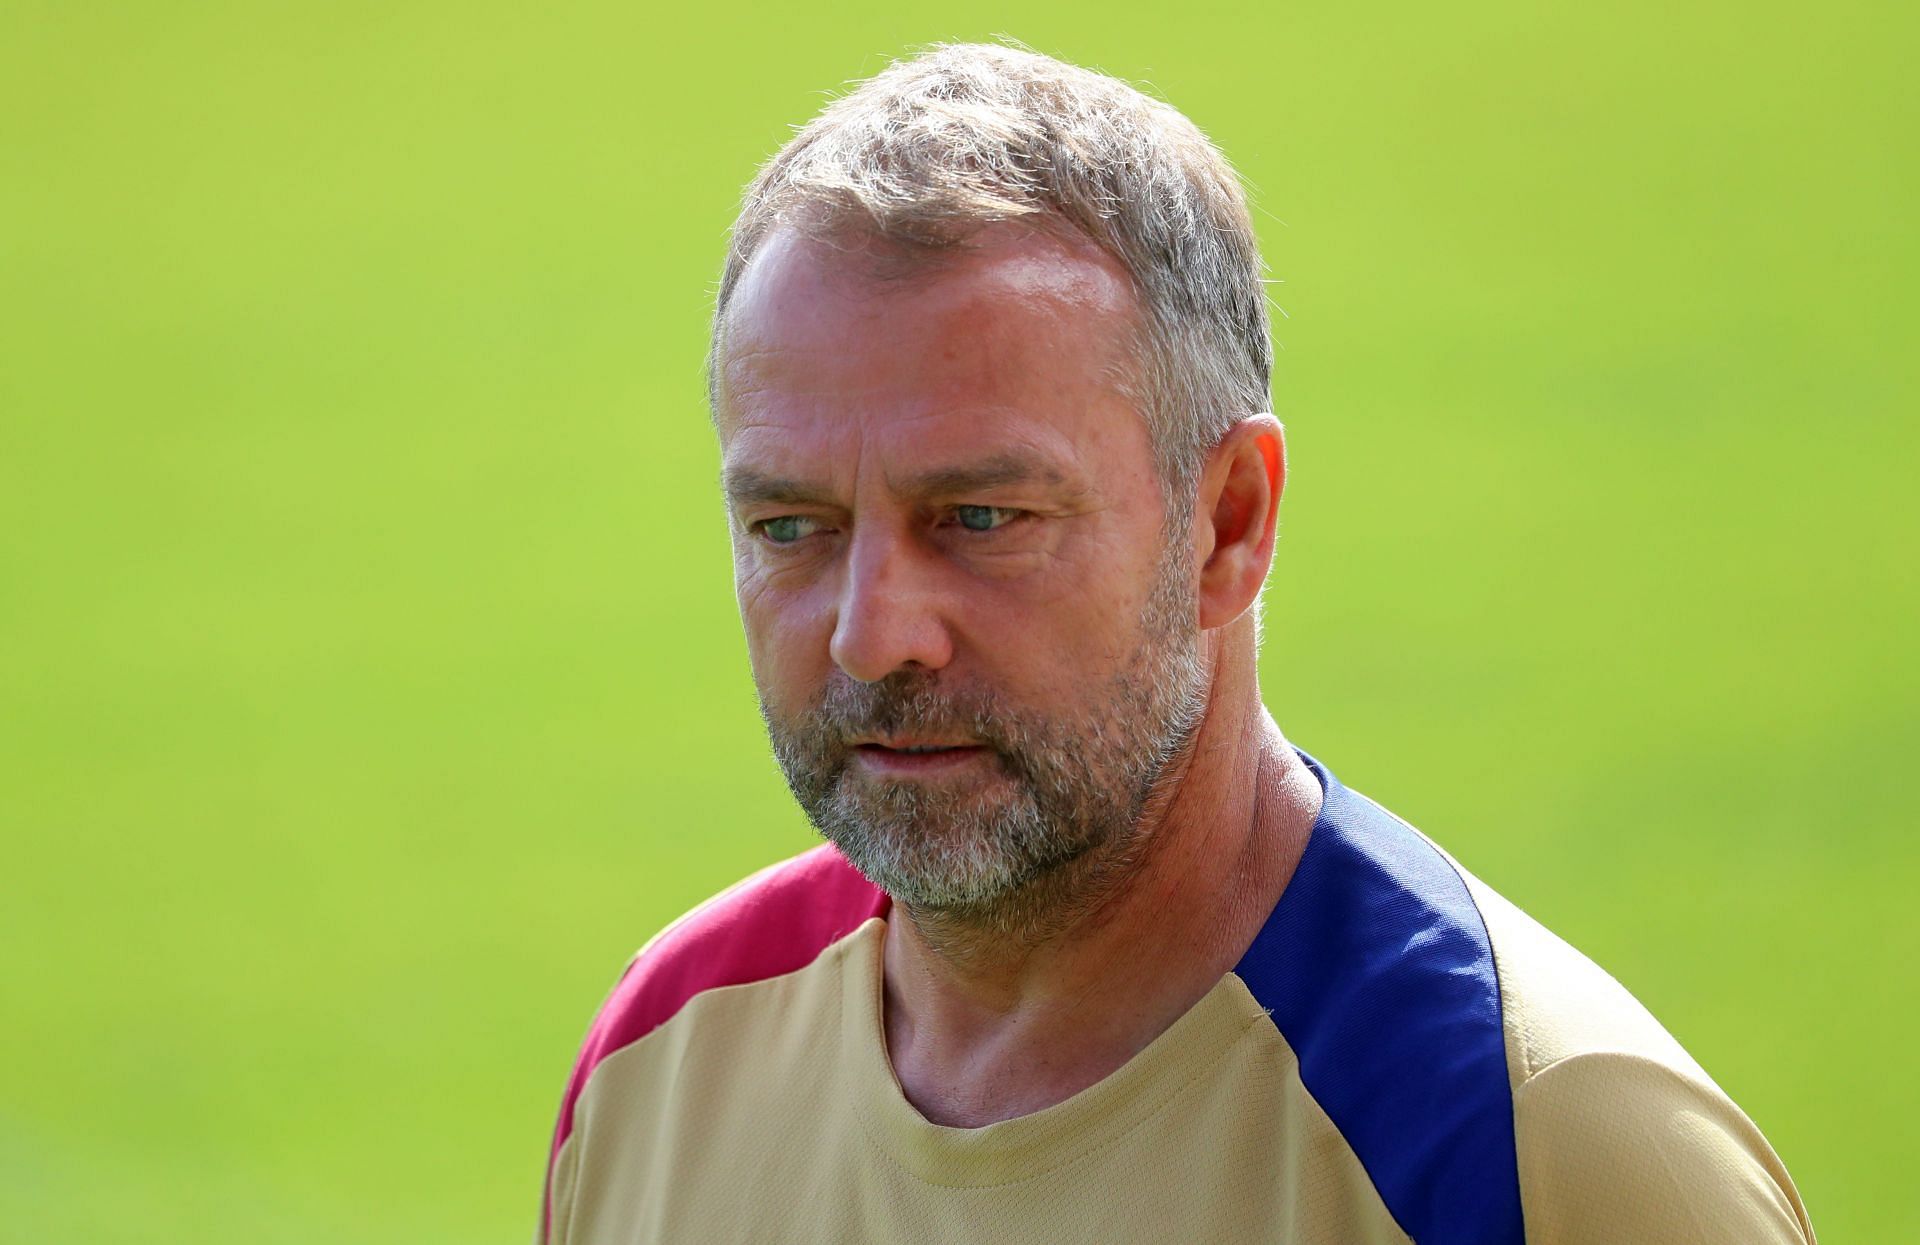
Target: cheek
<point>1095,599</point>
<point>786,632</point>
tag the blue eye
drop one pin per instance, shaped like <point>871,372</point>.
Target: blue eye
<point>982,518</point>
<point>787,528</point>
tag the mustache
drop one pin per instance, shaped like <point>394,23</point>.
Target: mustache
<point>906,702</point>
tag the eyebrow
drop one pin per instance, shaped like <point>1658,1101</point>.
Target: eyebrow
<point>746,485</point>
<point>998,471</point>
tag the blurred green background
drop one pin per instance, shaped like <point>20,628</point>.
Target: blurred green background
<point>370,684</point>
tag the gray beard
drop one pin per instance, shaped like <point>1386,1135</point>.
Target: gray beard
<point>1063,803</point>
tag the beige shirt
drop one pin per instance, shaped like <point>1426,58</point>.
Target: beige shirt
<point>1401,1056</point>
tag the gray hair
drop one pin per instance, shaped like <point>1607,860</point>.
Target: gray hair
<point>967,134</point>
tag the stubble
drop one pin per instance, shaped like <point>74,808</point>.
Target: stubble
<point>1056,822</point>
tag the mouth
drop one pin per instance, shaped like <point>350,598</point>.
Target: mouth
<point>913,757</point>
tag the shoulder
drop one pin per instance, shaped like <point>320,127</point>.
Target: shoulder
<point>1620,1135</point>
<point>775,922</point>
<point>1556,1002</point>
<point>1495,1084</point>
<point>1378,972</point>
<point>1622,1148</point>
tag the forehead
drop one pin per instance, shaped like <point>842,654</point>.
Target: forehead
<point>835,347</point>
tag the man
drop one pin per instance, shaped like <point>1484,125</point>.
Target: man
<point>1092,954</point>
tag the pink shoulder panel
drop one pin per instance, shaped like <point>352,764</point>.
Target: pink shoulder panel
<point>776,922</point>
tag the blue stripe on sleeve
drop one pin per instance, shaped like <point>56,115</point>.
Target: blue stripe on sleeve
<point>1376,968</point>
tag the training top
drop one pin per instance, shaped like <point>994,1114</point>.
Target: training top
<point>1401,1055</point>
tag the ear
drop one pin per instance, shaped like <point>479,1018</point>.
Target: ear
<point>1236,510</point>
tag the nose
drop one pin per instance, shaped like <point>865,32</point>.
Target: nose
<point>889,615</point>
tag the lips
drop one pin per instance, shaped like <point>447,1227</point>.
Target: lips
<point>914,747</point>
<point>902,756</point>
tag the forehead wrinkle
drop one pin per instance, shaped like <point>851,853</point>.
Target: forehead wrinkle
<point>1004,331</point>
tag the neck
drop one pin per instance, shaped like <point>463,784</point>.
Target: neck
<point>994,1015</point>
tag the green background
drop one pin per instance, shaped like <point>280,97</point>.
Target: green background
<point>370,683</point>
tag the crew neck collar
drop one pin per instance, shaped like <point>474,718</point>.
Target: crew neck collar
<point>1028,1145</point>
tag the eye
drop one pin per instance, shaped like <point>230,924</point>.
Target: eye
<point>787,528</point>
<point>984,518</point>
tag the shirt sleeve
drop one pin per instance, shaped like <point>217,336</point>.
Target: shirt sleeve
<point>556,1210</point>
<point>1620,1149</point>
<point>563,1154</point>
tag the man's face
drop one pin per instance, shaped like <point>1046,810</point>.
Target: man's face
<point>975,647</point>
